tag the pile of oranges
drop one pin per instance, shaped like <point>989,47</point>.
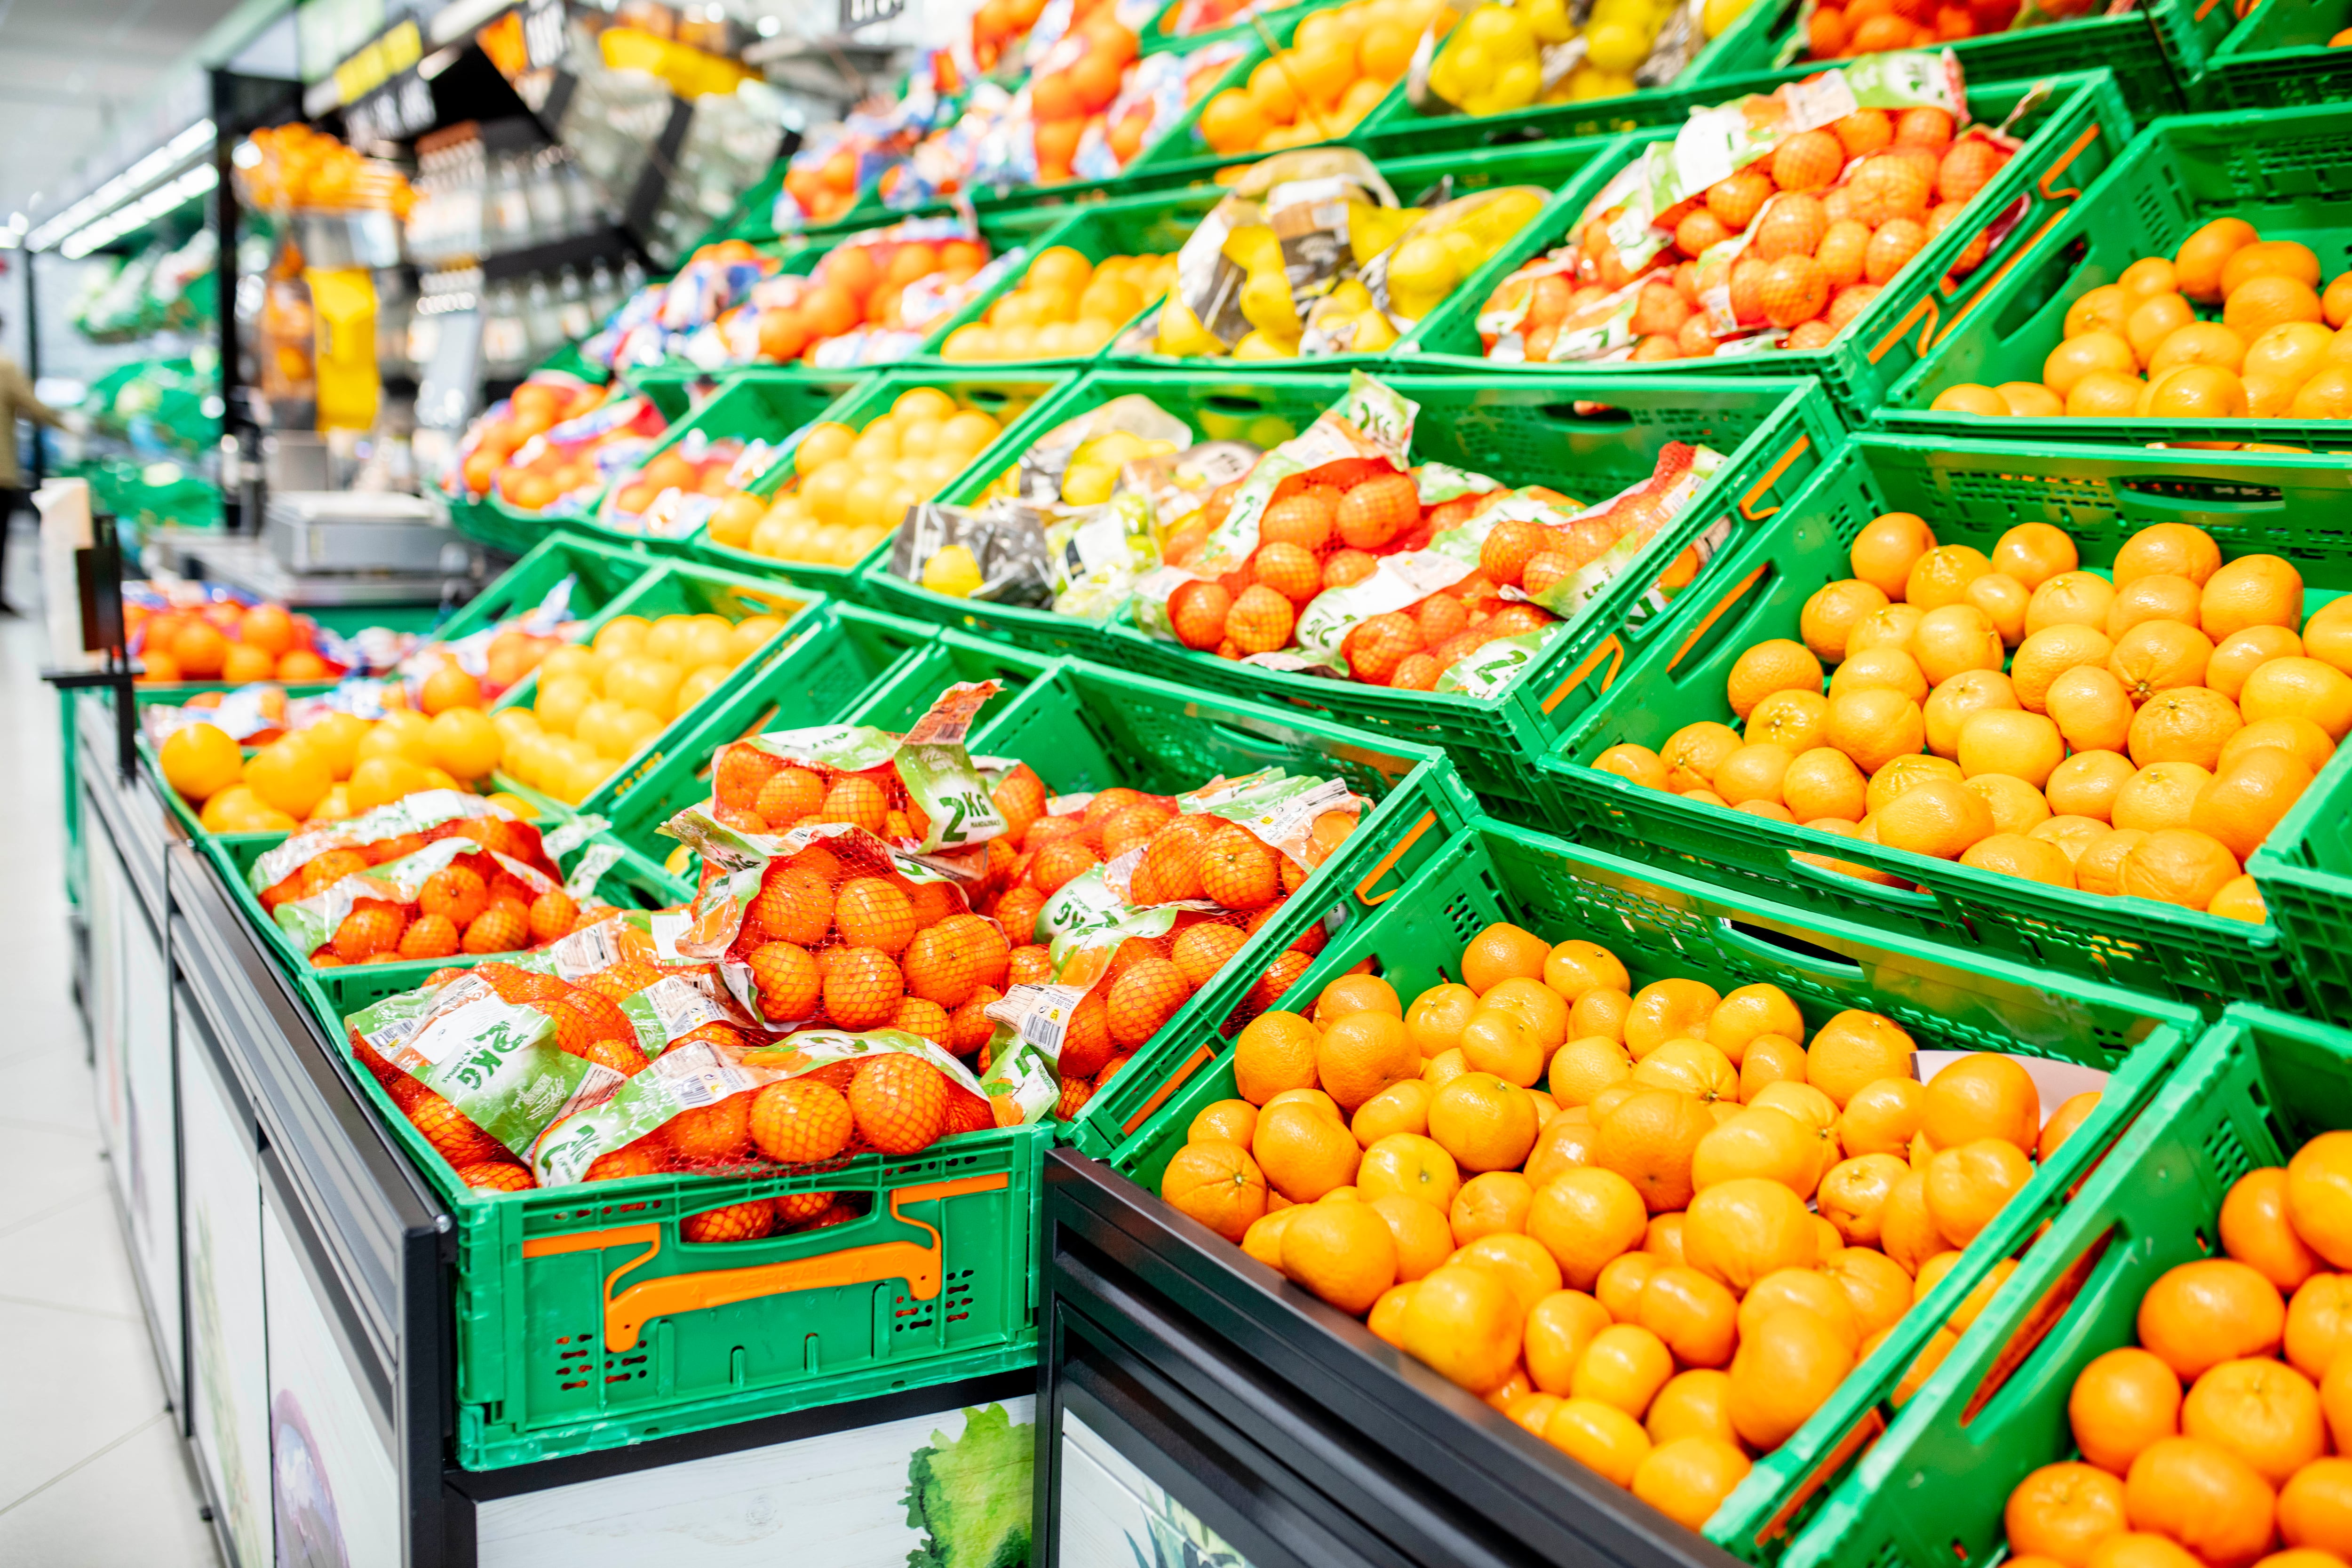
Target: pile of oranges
<point>332,768</point>
<point>1874,26</point>
<point>1338,66</point>
<point>702,471</point>
<point>826,187</point>
<point>998,24</point>
<point>475,904</point>
<point>225,641</point>
<point>2138,347</point>
<point>1075,83</point>
<point>854,287</point>
<point>1623,1262</point>
<point>2252,1455</point>
<point>535,407</point>
<point>851,487</point>
<point>1827,220</point>
<point>1064,305</point>
<point>2137,733</point>
<point>596,707</point>
<point>297,168</point>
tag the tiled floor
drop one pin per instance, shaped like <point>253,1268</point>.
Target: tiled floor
<point>92,1472</point>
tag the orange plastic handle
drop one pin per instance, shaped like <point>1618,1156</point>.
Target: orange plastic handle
<point>1428,820</point>
<point>1176,1081</point>
<point>1747,502</point>
<point>2065,160</point>
<point>1925,307</point>
<point>1858,1437</point>
<point>2046,1315</point>
<point>626,1313</point>
<point>2000,272</point>
<point>1730,597</point>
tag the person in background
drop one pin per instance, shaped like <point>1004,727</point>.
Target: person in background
<point>16,400</point>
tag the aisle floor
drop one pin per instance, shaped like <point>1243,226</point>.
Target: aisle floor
<point>92,1470</point>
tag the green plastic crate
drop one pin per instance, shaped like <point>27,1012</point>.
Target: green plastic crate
<point>1971,493</point>
<point>1157,36</point>
<point>1155,223</point>
<point>599,573</point>
<point>2279,56</point>
<point>828,664</point>
<point>1663,925</point>
<point>1006,394</point>
<point>2075,127</point>
<point>672,587</point>
<point>502,530</point>
<point>2305,872</point>
<point>1085,728</point>
<point>584,1322</point>
<point>1519,430</point>
<point>2284,172</point>
<point>1930,1494</point>
<point>631,882</point>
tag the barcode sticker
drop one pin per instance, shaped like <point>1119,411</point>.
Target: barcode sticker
<point>682,1005</point>
<point>696,1075</point>
<point>584,952</point>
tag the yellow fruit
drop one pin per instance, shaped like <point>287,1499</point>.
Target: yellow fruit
<point>200,761</point>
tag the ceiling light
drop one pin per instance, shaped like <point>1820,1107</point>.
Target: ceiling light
<point>129,182</point>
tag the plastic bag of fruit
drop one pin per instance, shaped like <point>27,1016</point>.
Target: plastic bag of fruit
<point>1770,222</point>
<point>871,301</point>
<point>492,659</point>
<point>1126,904</point>
<point>562,470</point>
<point>995,553</point>
<point>1506,55</point>
<point>203,631</point>
<point>824,178</point>
<point>545,399</point>
<point>1834,31</point>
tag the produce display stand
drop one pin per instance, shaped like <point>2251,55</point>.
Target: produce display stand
<point>1971,492</point>
<point>2278,55</point>
<point>2281,171</point>
<point>1373,1444</point>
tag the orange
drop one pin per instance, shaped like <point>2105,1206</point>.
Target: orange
<point>1344,1252</point>
<point>1890,627</point>
<point>1692,753</point>
<point>1782,1372</point>
<point>2087,784</point>
<point>2033,552</point>
<point>1875,1286</point>
<point>1904,774</point>
<point>2099,867</point>
<point>1854,1049</point>
<point>2297,688</point>
<point>1406,1164</point>
<point>2308,741</point>
<point>1776,665</point>
<point>1693,1404</point>
<point>2240,804</point>
<point>2065,1121</point>
<point>2206,346</point>
<point>2177,866</point>
<point>2264,1413</point>
<point>1314,1099</point>
<point>2200,261</point>
<point>1758,1142</point>
<point>2069,599</point>
<point>1854,1191</point>
<point>1649,1138</point>
<point>1601,1011</point>
<point>1831,615</point>
<point>1575,967</point>
<point>1489,1204</point>
<point>1966,1187</point>
<point>1907,1232</point>
<point>1882,1110</point>
<point>1519,1261</point>
<point>2243,652</point>
<point>1586,1219</point>
<point>1879,668</point>
<point>1620,1284</point>
<point>1874,726</point>
<point>1422,1239</point>
<point>1770,1059</point>
<point>1353,993</point>
<point>2156,655</point>
<point>1497,1042</point>
<point>1465,1322</point>
<point>2319,1196</point>
<point>1688,1477</point>
<point>2327,635</point>
<point>2203,1497</point>
<point>1624,1366</point>
<point>1882,554</point>
<point>1748,1011</point>
<point>2138,1549</point>
<point>2159,796</point>
<point>1486,1122</point>
<point>1434,1020</point>
<point>2106,395</point>
<point>1386,1319</point>
<point>1583,1067</point>
<point>2153,320</point>
<point>2200,1314</point>
<point>1275,1051</point>
<point>1536,1004</point>
<point>1807,1289</point>
<point>1692,1315</point>
<point>2121,1402</point>
<point>1567,1140</point>
<point>1982,1095</point>
<point>1954,637</point>
<point>1954,701</point>
<point>2252,590</point>
<point>1938,818</point>
<point>1737,1231</point>
<point>1499,952</point>
<point>2079,355</point>
<point>1601,1437</point>
<point>1693,1067</point>
<point>1941,576</point>
<point>1217,1183</point>
<point>1793,720</point>
<point>1363,1054</point>
<point>2319,1323</point>
<point>1668,1010</point>
<point>1400,1108</point>
<point>2269,258</point>
<point>1558,1328</point>
<point>2187,725</point>
<point>2061,1512</point>
<point>2003,599</point>
<point>2314,1507</point>
<point>2006,741</point>
<point>2167,549</point>
<point>1304,1153</point>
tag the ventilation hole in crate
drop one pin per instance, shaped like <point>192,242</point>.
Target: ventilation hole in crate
<point>1887,1556</point>
<point>2228,1152</point>
<point>2204,1242</point>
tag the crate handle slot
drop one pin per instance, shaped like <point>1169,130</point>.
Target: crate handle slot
<point>2159,497</point>
<point>2035,1331</point>
<point>1387,861</point>
<point>1927,308</point>
<point>1234,403</point>
<point>1585,413</point>
<point>1910,899</point>
<point>2091,133</point>
<point>1611,648</point>
<point>1731,596</point>
<point>1986,287</point>
<point>1779,947</point>
<point>1844,1452</point>
<point>626,1314</point>
<point>1176,1081</point>
<point>1797,448</point>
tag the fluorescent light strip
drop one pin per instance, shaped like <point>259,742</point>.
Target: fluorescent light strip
<point>156,203</point>
<point>126,184</point>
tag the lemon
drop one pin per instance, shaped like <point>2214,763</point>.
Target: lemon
<point>1473,72</point>
<point>1254,249</point>
<point>1181,336</point>
<point>1257,345</point>
<point>1718,15</point>
<point>1423,266</point>
<point>952,571</point>
<point>1503,31</point>
<point>1266,305</point>
<point>1516,85</point>
<point>1547,19</point>
<point>1615,47</point>
<point>200,761</point>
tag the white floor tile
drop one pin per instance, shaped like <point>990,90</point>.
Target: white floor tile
<point>42,1168</point>
<point>132,1503</point>
<point>72,1258</point>
<point>92,1380</point>
<point>51,1091</point>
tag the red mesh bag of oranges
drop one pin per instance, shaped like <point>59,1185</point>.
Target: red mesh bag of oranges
<point>676,491</point>
<point>562,470</point>
<point>546,399</point>
<point>1776,232</point>
<point>1125,904</point>
<point>1834,31</point>
<point>431,874</point>
<point>1336,555</point>
<point>192,632</point>
<point>870,302</point>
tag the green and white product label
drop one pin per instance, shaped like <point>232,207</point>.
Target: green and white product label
<point>310,922</point>
<point>498,1062</point>
<point>411,813</point>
